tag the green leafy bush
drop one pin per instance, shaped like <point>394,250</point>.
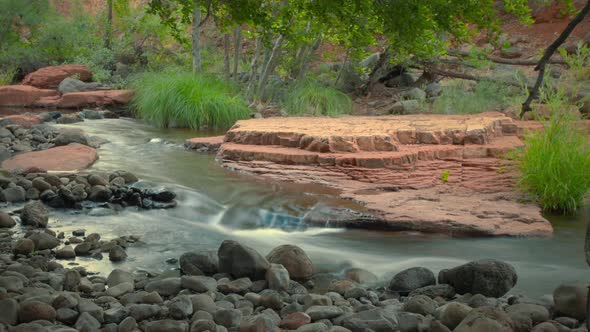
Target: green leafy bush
<point>312,98</point>
<point>464,98</point>
<point>181,99</point>
<point>555,164</point>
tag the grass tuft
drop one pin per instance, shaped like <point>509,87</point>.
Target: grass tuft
<point>467,98</point>
<point>312,98</point>
<point>7,75</point>
<point>184,100</point>
<point>555,164</point>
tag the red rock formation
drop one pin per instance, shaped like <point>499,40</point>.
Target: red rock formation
<point>23,95</point>
<point>87,99</point>
<point>26,121</point>
<point>63,158</point>
<point>50,77</point>
<point>402,187</point>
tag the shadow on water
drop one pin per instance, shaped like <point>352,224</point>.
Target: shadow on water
<point>216,204</point>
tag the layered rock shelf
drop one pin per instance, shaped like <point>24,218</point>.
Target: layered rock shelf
<point>430,173</point>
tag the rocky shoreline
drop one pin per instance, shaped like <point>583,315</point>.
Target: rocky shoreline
<point>238,289</point>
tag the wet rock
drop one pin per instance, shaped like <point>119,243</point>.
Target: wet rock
<point>44,241</point>
<point>241,261</point>
<point>441,290</point>
<point>165,287</point>
<point>571,300</point>
<point>229,318</point>
<point>87,323</point>
<point>83,249</point>
<point>34,214</point>
<point>120,289</point>
<point>277,277</point>
<point>360,275</point>
<point>67,316</point>
<point>452,314</point>
<point>35,310</point>
<point>70,135</point>
<point>13,195</point>
<point>118,276</point>
<point>99,193</point>
<point>167,325</point>
<point>6,220</point>
<point>24,247</point>
<point>537,313</point>
<point>487,277</point>
<point>411,279</point>
<point>127,325</point>
<point>318,312</point>
<point>486,319</point>
<point>67,252</point>
<point>9,312</point>
<point>65,300</point>
<point>199,284</point>
<point>376,320</point>
<point>143,311</point>
<point>420,304</point>
<point>199,263</point>
<point>180,307</point>
<point>117,254</point>
<point>11,283</point>
<point>238,286</point>
<point>294,259</point>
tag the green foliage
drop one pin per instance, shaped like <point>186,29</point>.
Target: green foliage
<point>180,99</point>
<point>309,97</point>
<point>462,97</point>
<point>578,62</point>
<point>7,75</point>
<point>555,164</point>
<point>445,176</point>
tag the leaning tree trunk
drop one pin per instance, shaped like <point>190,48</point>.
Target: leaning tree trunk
<point>196,51</point>
<point>238,48</point>
<point>534,92</point>
<point>270,65</point>
<point>378,71</point>
<point>226,57</point>
<point>308,56</point>
<point>254,70</point>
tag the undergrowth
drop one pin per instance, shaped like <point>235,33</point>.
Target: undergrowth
<point>310,97</point>
<point>466,98</point>
<point>183,100</point>
<point>555,164</point>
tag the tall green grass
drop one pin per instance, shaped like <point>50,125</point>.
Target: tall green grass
<point>555,164</point>
<point>7,75</point>
<point>464,98</point>
<point>184,100</point>
<point>313,98</point>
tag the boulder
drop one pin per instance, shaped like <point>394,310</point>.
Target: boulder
<point>420,304</point>
<point>13,194</point>
<point>488,277</point>
<point>50,77</point>
<point>6,220</point>
<point>62,158</point>
<point>199,284</point>
<point>241,261</point>
<point>294,259</point>
<point>199,263</point>
<point>486,319</point>
<point>411,279</point>
<point>537,313</point>
<point>67,252</point>
<point>452,313</point>
<point>165,287</point>
<point>277,277</point>
<point>9,312</point>
<point>44,241</point>
<point>35,214</point>
<point>118,276</point>
<point>571,300</point>
<point>117,254</point>
<point>74,85</point>
<point>23,247</point>
<point>71,135</point>
<point>35,310</point>
<point>23,95</point>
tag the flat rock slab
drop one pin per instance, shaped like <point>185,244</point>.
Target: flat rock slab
<point>23,95</point>
<point>87,99</point>
<point>204,144</point>
<point>370,133</point>
<point>71,157</point>
<point>50,77</point>
<point>25,121</point>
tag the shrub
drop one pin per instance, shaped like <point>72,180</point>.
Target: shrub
<point>463,98</point>
<point>578,62</point>
<point>312,98</point>
<point>555,164</point>
<point>180,99</point>
<point>7,75</point>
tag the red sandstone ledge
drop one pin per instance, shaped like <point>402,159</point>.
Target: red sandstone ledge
<point>71,157</point>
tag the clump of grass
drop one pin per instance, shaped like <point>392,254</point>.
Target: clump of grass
<point>464,98</point>
<point>555,164</point>
<point>312,98</point>
<point>7,75</point>
<point>578,62</point>
<point>184,100</point>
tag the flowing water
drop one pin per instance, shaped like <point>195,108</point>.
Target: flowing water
<point>216,204</point>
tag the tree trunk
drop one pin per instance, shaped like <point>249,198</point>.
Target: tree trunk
<point>237,50</point>
<point>196,51</point>
<point>226,46</point>
<point>109,27</point>
<point>307,58</point>
<point>534,92</point>
<point>270,65</point>
<point>378,71</point>
<point>254,69</point>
